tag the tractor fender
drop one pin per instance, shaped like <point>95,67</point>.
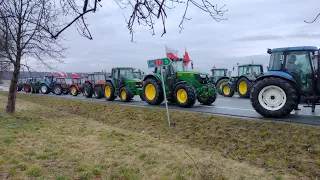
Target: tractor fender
<point>248,77</point>
<point>154,76</point>
<point>46,83</point>
<point>77,87</point>
<point>221,79</point>
<point>178,83</point>
<point>282,75</point>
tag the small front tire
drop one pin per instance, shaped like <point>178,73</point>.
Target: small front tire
<point>185,95</point>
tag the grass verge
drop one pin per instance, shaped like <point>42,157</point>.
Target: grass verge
<point>284,149</point>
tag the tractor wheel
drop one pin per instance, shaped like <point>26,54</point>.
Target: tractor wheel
<point>208,100</point>
<point>220,84</point>
<point>152,91</point>
<point>274,97</point>
<point>74,91</point>
<point>184,95</point>
<point>109,91</point>
<point>88,90</point>
<point>244,86</point>
<point>98,92</point>
<point>142,97</point>
<point>125,94</point>
<point>37,90</point>
<point>227,90</point>
<point>26,88</point>
<point>19,88</point>
<point>45,89</point>
<point>57,89</point>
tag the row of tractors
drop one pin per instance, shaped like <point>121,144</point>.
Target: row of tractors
<point>293,78</point>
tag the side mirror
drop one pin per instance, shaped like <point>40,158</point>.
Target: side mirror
<point>268,68</point>
<point>191,65</point>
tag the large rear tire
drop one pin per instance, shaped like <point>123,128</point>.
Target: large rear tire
<point>274,97</point>
<point>185,95</point>
<point>109,91</point>
<point>227,90</point>
<point>57,89</point>
<point>152,91</point>
<point>244,87</point>
<point>98,92</point>
<point>220,84</point>
<point>45,89</point>
<point>88,90</point>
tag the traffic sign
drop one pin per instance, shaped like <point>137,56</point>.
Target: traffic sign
<point>159,62</point>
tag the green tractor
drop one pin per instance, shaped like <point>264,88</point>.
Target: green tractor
<point>293,78</point>
<point>32,85</point>
<point>219,77</point>
<point>123,82</point>
<point>242,83</point>
<point>181,86</point>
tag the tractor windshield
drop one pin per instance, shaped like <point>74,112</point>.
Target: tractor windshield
<point>137,75</point>
<point>256,70</point>
<point>61,80</point>
<point>276,60</point>
<point>127,73</point>
<point>99,77</point>
<point>178,66</point>
<point>68,80</point>
<point>76,81</point>
<point>218,73</point>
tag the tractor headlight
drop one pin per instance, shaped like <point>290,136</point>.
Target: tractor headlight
<point>203,75</point>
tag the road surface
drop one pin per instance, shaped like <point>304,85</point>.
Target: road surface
<point>223,106</point>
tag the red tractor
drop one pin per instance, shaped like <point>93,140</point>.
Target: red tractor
<point>77,84</point>
<point>60,85</point>
<point>94,84</point>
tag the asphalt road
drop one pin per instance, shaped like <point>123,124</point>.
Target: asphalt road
<point>222,106</point>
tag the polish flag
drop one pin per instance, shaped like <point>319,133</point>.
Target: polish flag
<point>74,75</point>
<point>65,75</point>
<point>214,67</point>
<point>171,53</point>
<point>186,57</point>
<point>59,75</point>
<point>52,74</point>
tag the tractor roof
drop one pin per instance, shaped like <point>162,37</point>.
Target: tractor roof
<point>296,48</point>
<point>249,65</point>
<point>123,68</point>
<point>218,69</point>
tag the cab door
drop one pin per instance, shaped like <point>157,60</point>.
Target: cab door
<point>298,64</point>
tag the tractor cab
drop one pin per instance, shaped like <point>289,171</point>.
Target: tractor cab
<point>125,82</point>
<point>94,84</point>
<point>49,79</point>
<point>97,78</point>
<point>300,64</point>
<point>253,70</point>
<point>293,78</point>
<point>217,73</point>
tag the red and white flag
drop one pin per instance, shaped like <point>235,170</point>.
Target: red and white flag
<point>74,75</point>
<point>59,75</point>
<point>171,53</point>
<point>52,74</point>
<point>65,75</point>
<point>186,57</point>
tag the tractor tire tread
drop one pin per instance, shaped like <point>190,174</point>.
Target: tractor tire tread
<point>159,92</point>
<point>286,86</point>
<point>191,95</point>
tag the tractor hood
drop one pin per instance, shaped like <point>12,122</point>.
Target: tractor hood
<point>192,72</point>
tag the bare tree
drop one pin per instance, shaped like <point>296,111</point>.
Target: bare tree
<point>30,28</point>
<point>24,29</point>
<point>144,12</point>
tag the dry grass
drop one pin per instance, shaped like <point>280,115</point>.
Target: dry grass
<point>144,147</point>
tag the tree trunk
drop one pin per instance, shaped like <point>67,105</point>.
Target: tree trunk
<point>11,105</point>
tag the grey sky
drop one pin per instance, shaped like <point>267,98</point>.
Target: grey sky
<point>251,28</point>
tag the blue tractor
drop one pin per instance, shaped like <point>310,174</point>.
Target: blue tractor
<point>47,84</point>
<point>293,78</point>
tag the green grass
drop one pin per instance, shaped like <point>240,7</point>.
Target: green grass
<point>73,128</point>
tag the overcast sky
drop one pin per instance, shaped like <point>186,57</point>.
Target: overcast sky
<point>251,28</point>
